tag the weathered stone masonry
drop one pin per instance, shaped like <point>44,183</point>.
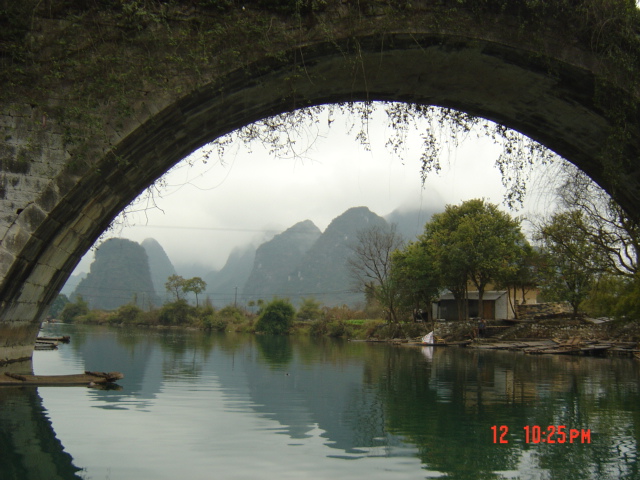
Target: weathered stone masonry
<point>71,160</point>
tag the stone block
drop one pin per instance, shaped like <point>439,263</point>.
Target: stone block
<point>15,239</point>
<point>32,294</point>
<point>54,258</point>
<point>31,217</point>
<point>42,274</point>
<point>6,260</point>
<point>83,225</point>
<point>20,312</point>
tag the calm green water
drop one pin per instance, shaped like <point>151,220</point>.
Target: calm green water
<point>196,406</point>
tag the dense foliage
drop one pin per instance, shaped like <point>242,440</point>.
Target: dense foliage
<point>57,306</point>
<point>590,249</point>
<point>471,243</point>
<point>276,317</point>
<point>71,311</point>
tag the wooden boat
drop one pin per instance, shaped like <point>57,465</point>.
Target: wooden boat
<point>86,379</point>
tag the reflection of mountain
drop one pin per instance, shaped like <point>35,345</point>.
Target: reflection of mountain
<point>132,352</point>
<point>361,400</point>
<point>303,396</point>
<point>29,449</point>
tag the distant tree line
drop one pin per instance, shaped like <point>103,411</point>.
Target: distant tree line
<point>276,317</point>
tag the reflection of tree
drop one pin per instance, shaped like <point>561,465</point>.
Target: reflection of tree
<point>447,406</point>
<point>276,350</point>
<point>29,448</point>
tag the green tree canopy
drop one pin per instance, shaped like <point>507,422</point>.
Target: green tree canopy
<point>472,242</point>
<point>416,276</point>
<point>174,285</point>
<point>71,311</point>
<point>58,305</point>
<point>309,309</point>
<point>276,317</point>
<point>195,285</point>
<point>574,263</point>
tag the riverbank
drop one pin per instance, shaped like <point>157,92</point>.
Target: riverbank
<point>552,336</point>
<point>340,322</point>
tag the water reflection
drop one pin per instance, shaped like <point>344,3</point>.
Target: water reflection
<point>29,449</point>
<point>410,411</point>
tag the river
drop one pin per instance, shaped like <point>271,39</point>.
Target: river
<point>227,406</point>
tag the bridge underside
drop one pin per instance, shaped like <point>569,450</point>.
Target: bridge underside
<point>55,210</point>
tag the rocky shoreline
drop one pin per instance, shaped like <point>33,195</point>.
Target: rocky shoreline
<point>561,335</point>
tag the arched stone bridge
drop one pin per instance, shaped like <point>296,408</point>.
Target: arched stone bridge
<point>101,98</point>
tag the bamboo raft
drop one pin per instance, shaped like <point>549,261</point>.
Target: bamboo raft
<point>86,379</point>
<point>61,339</point>
<point>572,346</point>
<point>50,343</point>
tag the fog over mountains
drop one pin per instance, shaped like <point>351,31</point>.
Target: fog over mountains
<point>298,263</point>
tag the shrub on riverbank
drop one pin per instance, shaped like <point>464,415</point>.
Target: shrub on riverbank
<point>338,322</point>
<point>276,318</point>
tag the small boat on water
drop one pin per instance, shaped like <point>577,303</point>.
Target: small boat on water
<point>86,379</point>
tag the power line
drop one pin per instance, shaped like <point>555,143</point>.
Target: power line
<point>218,229</point>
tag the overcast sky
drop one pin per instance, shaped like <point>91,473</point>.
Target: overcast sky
<point>208,208</point>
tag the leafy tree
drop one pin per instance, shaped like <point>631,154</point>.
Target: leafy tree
<point>603,223</point>
<point>195,285</point>
<point>232,314</point>
<point>276,317</point>
<point>370,265</point>
<point>416,276</point>
<point>472,242</point>
<point>176,313</point>
<point>72,311</point>
<point>128,314</point>
<point>605,240</point>
<point>58,305</point>
<point>574,263</point>
<point>309,310</point>
<point>523,276</point>
<point>613,295</point>
<point>175,284</point>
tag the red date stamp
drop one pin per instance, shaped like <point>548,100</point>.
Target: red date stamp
<point>549,434</point>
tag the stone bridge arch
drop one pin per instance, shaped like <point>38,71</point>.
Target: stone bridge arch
<point>86,129</point>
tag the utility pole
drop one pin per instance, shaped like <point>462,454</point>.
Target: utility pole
<point>235,300</point>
